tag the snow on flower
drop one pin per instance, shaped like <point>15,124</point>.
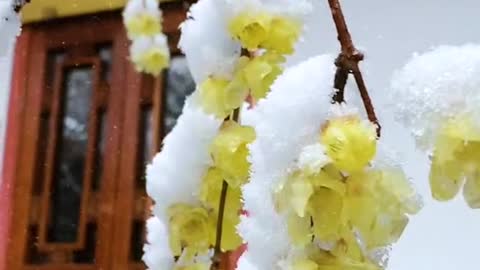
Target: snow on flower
<point>206,43</point>
<point>182,148</point>
<point>175,176</point>
<point>290,8</point>
<point>149,50</point>
<point>150,54</point>
<point>437,98</point>
<point>142,18</point>
<point>276,149</point>
<point>157,254</point>
<point>317,195</point>
<point>427,91</point>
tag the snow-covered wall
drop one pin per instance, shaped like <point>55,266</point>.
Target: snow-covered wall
<point>9,28</point>
<point>443,235</point>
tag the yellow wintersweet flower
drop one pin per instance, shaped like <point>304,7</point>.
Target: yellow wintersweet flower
<point>328,260</point>
<point>376,204</point>
<point>143,24</point>
<point>261,72</point>
<point>304,265</point>
<point>193,266</point>
<point>283,35</point>
<point>326,207</point>
<point>349,142</point>
<point>213,95</point>
<point>229,152</point>
<point>456,160</point>
<point>210,192</point>
<point>299,230</point>
<point>150,55</point>
<point>188,229</point>
<point>251,29</point>
<point>308,197</point>
<point>152,61</point>
<point>221,96</point>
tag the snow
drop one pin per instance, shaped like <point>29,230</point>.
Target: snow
<point>139,7</point>
<point>176,173</point>
<point>206,43</point>
<point>276,149</point>
<point>435,86</point>
<point>443,235</point>
<point>9,29</point>
<point>291,8</point>
<point>157,253</point>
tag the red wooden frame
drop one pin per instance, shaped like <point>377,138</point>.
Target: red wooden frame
<point>12,139</point>
<point>43,244</point>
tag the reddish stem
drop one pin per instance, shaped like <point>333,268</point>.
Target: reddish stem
<point>348,62</point>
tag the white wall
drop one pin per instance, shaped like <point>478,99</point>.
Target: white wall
<point>9,28</point>
<point>444,235</point>
<point>5,74</point>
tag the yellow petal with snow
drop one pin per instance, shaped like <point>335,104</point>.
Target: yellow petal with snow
<point>471,190</point>
<point>299,229</point>
<point>189,229</point>
<point>326,208</point>
<point>229,151</point>
<point>143,25</point>
<point>284,33</point>
<point>251,29</point>
<point>349,142</point>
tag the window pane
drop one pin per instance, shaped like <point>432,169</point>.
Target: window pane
<point>70,162</point>
<point>179,84</point>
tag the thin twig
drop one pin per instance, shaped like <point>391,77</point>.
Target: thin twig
<point>217,256</point>
<point>348,62</point>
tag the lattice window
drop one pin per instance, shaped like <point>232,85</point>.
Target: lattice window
<point>90,125</point>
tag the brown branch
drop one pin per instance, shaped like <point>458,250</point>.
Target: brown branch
<point>348,62</point>
<point>217,256</point>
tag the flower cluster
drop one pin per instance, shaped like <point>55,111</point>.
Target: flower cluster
<point>188,202</point>
<point>339,208</point>
<point>439,103</point>
<point>266,36</point>
<point>149,50</point>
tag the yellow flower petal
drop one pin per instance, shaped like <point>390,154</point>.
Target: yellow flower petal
<point>301,190</point>
<point>220,96</point>
<point>446,179</point>
<point>283,35</point>
<point>152,61</point>
<point>193,266</point>
<point>299,229</point>
<point>143,25</point>
<point>251,29</point>
<point>261,72</point>
<point>349,142</point>
<point>210,193</point>
<point>326,208</point>
<point>229,152</point>
<point>189,229</point>
<point>305,265</point>
<point>471,190</point>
